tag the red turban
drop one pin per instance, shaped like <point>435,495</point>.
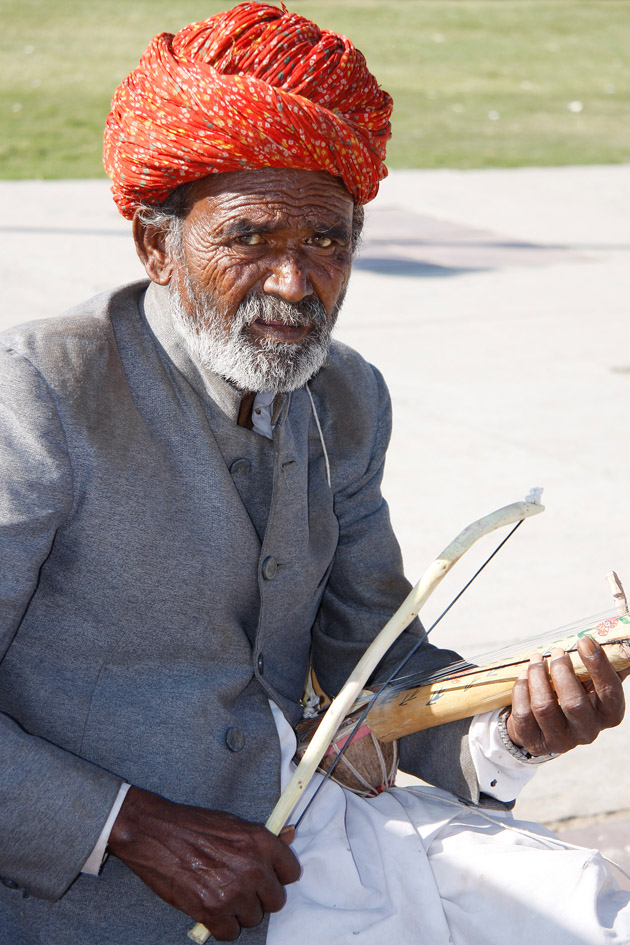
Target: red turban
<point>254,87</point>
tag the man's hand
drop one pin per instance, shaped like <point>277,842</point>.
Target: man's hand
<point>546,718</point>
<point>218,869</point>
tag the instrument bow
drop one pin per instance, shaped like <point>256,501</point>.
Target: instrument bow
<point>410,607</point>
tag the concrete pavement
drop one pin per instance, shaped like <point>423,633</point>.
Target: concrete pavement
<point>496,304</point>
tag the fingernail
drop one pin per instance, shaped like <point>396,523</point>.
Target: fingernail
<point>589,645</point>
<point>557,653</point>
<point>535,658</point>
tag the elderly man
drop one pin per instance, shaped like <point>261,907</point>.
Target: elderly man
<point>190,507</point>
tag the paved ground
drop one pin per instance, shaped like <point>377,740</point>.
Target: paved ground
<point>496,304</point>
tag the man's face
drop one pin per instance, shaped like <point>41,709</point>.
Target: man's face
<point>263,264</point>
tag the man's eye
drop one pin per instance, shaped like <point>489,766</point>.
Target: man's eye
<point>249,239</point>
<point>324,242</point>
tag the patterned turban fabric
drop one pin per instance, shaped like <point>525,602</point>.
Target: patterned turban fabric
<point>256,86</point>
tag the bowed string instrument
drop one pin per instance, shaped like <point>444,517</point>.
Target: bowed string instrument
<point>360,718</point>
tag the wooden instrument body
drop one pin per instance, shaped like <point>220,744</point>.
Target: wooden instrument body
<point>401,710</point>
<point>482,689</point>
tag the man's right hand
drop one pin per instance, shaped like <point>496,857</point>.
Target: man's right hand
<point>220,870</point>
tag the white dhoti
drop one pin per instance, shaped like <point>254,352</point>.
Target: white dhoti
<point>414,865</point>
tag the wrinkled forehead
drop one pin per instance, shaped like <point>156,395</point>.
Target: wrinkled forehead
<point>271,193</point>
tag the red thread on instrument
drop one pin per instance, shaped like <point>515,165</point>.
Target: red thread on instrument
<point>340,744</point>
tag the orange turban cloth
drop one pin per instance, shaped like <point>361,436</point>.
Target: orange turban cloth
<point>254,87</point>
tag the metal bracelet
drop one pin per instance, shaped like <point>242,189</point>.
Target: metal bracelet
<point>515,750</point>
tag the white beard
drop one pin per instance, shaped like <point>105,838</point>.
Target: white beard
<point>255,364</point>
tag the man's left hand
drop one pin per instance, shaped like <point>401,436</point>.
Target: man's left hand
<point>552,711</point>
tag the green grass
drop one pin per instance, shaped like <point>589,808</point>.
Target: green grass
<point>477,83</point>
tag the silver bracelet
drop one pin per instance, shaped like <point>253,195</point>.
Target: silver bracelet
<point>515,750</point>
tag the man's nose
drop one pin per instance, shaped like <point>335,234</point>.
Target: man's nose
<point>289,279</point>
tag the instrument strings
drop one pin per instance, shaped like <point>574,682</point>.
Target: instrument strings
<point>510,655</point>
<point>505,656</point>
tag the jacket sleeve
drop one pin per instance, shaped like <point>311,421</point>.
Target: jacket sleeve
<point>367,585</point>
<point>53,804</point>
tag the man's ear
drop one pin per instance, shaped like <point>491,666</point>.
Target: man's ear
<point>151,249</point>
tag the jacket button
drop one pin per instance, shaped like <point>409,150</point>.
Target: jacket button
<point>234,739</point>
<point>269,568</point>
<point>261,663</point>
<point>240,467</point>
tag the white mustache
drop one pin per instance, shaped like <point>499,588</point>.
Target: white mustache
<point>267,308</point>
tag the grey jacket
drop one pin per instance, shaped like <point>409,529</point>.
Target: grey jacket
<point>164,573</point>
